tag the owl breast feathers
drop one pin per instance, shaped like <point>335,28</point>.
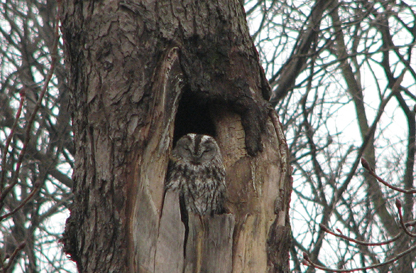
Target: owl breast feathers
<point>197,172</point>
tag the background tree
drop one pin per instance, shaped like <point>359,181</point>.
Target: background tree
<point>344,85</point>
<point>37,163</point>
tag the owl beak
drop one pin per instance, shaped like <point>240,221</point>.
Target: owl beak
<point>196,160</point>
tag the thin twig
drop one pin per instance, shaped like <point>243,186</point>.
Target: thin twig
<point>402,223</point>
<point>13,256</point>
<point>365,164</point>
<point>36,187</point>
<point>48,77</point>
<point>9,138</point>
<point>398,256</point>
<point>327,230</point>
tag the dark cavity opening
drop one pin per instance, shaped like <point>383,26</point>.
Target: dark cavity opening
<point>193,116</point>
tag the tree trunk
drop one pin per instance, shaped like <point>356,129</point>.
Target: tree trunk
<point>142,74</point>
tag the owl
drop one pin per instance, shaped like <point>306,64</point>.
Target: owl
<point>197,172</point>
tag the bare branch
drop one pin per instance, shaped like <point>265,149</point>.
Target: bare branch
<point>372,173</point>
<point>390,261</point>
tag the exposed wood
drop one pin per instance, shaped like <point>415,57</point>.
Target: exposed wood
<point>257,189</point>
<point>170,243</point>
<point>152,165</point>
<point>209,244</point>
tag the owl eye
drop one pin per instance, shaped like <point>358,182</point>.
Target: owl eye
<point>207,150</point>
<point>186,148</point>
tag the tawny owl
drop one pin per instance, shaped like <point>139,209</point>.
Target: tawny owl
<point>197,172</point>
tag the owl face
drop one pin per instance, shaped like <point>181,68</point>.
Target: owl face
<point>196,149</point>
<point>197,172</point>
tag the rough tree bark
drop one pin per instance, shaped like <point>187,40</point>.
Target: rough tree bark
<point>141,74</point>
